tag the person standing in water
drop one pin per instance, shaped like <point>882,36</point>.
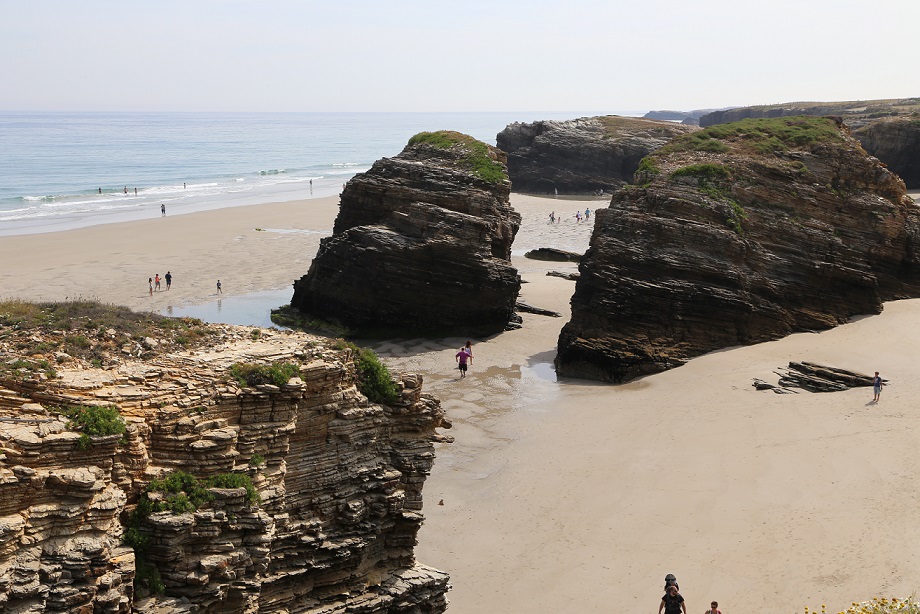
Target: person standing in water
<point>462,357</point>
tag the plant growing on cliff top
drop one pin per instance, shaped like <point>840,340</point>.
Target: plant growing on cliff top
<point>475,153</point>
<point>374,379</point>
<point>250,374</point>
<point>764,136</point>
<point>93,421</point>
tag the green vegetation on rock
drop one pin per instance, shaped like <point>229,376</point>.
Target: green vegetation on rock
<point>475,153</point>
<point>250,374</point>
<point>762,136</point>
<point>180,493</point>
<point>93,421</point>
<point>374,379</point>
<point>713,180</point>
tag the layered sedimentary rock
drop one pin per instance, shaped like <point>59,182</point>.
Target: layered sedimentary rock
<point>738,234</point>
<point>581,156</point>
<point>896,142</point>
<point>887,129</point>
<point>422,243</point>
<point>339,480</point>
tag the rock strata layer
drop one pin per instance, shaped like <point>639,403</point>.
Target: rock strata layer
<point>581,156</point>
<point>422,243</point>
<point>738,234</point>
<point>339,479</point>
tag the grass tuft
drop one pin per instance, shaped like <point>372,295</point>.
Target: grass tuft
<point>475,154</point>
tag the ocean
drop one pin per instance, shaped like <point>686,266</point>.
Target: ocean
<point>67,170</point>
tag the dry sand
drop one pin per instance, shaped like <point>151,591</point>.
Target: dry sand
<point>577,496</point>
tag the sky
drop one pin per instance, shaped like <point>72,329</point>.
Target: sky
<point>471,55</point>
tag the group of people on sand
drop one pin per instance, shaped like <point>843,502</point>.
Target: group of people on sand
<point>154,282</point>
<point>673,602</point>
<point>579,216</point>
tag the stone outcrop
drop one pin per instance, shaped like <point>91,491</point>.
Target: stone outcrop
<point>339,480</point>
<point>887,129</point>
<point>691,118</point>
<point>581,156</point>
<point>422,243</point>
<point>738,234</point>
<point>896,142</point>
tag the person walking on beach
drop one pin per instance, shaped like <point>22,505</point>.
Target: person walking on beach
<point>469,348</point>
<point>156,282</point>
<point>876,387</point>
<point>714,608</point>
<point>219,291</point>
<point>552,217</point>
<point>672,602</point>
<point>150,283</point>
<point>163,210</point>
<point>461,357</point>
<point>168,278</point>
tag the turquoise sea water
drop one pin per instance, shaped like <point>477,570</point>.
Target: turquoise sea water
<point>53,165</point>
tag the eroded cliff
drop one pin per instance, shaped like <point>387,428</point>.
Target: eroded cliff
<point>887,129</point>
<point>422,243</point>
<point>738,234</point>
<point>274,493</point>
<point>581,156</point>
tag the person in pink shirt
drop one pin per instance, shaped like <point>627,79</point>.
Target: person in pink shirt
<point>462,357</point>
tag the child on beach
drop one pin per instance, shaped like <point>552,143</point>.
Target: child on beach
<point>150,283</point>
<point>876,387</point>
<point>156,282</point>
<point>714,608</point>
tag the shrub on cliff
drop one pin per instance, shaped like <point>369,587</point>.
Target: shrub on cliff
<point>374,379</point>
<point>250,374</point>
<point>475,153</point>
<point>93,421</point>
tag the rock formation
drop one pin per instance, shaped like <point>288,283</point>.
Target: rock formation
<point>737,234</point>
<point>887,129</point>
<point>320,512</point>
<point>422,243</point>
<point>896,142</point>
<point>581,156</point>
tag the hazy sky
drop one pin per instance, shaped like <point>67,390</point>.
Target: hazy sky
<point>470,55</point>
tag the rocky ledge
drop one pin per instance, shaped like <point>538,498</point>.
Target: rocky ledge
<point>581,156</point>
<point>887,129</point>
<point>206,469</point>
<point>737,234</point>
<point>422,243</point>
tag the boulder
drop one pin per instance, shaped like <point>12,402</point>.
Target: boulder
<point>739,234</point>
<point>581,156</point>
<point>422,243</point>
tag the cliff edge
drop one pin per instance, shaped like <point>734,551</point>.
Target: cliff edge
<point>150,464</point>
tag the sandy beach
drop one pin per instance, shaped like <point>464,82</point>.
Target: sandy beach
<point>578,496</point>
